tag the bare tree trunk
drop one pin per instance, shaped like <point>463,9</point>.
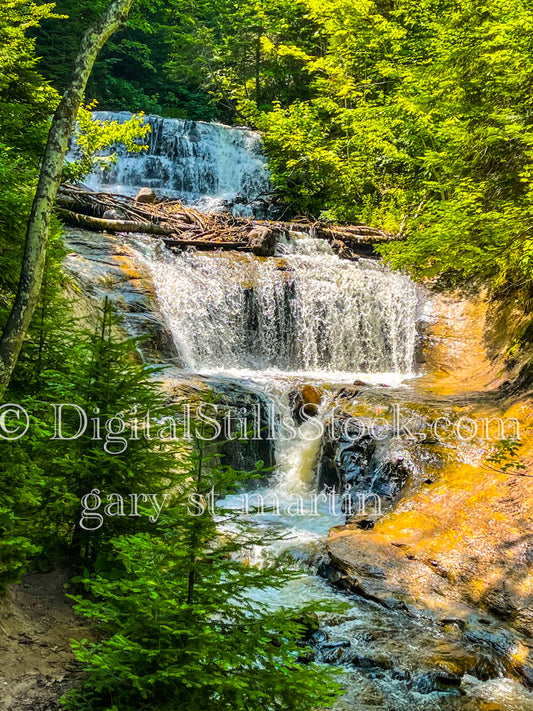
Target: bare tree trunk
<point>37,232</point>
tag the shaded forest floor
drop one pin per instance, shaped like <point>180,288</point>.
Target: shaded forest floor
<point>37,624</point>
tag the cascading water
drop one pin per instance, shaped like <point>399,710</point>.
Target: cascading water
<point>188,160</point>
<point>272,326</point>
<point>306,315</point>
<point>307,311</point>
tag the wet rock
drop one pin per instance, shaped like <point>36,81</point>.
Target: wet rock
<point>263,241</point>
<point>146,196</point>
<point>339,644</point>
<point>333,575</point>
<point>372,469</point>
<point>365,524</point>
<point>241,407</point>
<point>374,661</point>
<point>340,249</point>
<point>305,402</point>
<point>106,266</point>
<point>486,668</point>
<point>454,626</point>
<point>430,682</point>
<point>318,637</point>
<point>311,395</point>
<point>114,214</point>
<point>348,393</point>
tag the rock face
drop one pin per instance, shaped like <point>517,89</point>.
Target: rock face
<point>374,470</point>
<point>263,241</point>
<point>241,406</point>
<point>459,530</point>
<point>106,266</point>
<point>146,195</point>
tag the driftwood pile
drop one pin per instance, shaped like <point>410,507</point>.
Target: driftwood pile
<point>181,226</point>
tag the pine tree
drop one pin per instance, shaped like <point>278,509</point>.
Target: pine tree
<point>184,627</point>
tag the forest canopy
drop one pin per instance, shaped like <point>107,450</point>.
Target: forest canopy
<point>412,116</point>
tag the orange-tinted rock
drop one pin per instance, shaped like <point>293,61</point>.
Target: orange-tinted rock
<point>311,395</point>
<point>305,402</point>
<point>463,535</point>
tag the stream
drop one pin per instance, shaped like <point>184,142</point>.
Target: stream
<point>263,330</point>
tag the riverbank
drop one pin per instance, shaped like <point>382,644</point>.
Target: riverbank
<point>37,623</point>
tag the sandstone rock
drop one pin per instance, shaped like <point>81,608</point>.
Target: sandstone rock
<point>309,397</point>
<point>146,196</point>
<point>263,241</point>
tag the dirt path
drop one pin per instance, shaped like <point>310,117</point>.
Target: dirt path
<point>36,662</point>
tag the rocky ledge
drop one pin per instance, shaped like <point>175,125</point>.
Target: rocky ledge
<point>457,541</point>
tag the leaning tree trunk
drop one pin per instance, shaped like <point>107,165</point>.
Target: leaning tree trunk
<point>37,232</point>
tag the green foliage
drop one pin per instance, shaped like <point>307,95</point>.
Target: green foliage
<point>195,60</point>
<point>505,457</point>
<point>16,194</point>
<point>185,623</point>
<point>93,138</point>
<point>154,65</point>
<point>22,483</point>
<point>26,101</point>
<point>419,121</point>
<point>42,478</point>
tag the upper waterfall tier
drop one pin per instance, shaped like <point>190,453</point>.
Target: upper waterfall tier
<point>189,160</point>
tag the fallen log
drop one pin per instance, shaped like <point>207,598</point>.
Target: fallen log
<point>101,225</point>
<point>355,234</point>
<point>76,219</point>
<point>187,227</point>
<point>360,234</point>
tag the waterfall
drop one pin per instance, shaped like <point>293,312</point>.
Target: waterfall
<point>188,160</point>
<point>272,324</point>
<point>267,328</point>
<point>276,323</point>
<point>305,311</point>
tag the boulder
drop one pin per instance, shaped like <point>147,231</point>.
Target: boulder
<point>309,397</point>
<point>341,249</point>
<point>263,241</point>
<point>114,214</point>
<point>146,196</point>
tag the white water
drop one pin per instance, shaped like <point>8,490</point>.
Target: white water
<point>275,324</point>
<point>190,160</point>
<point>307,312</point>
<point>272,326</point>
